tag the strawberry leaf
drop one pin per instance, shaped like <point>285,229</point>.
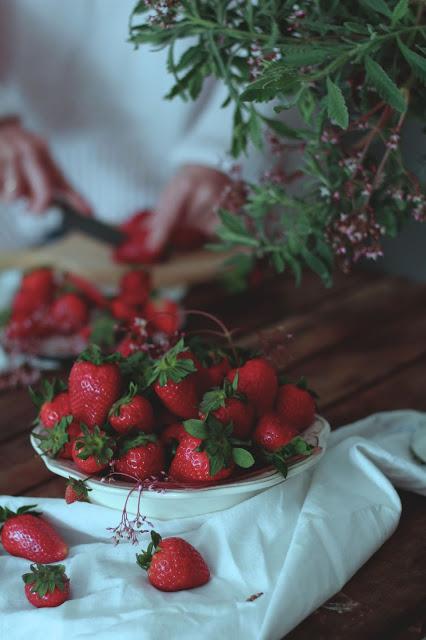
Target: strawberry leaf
<point>53,440</point>
<point>46,578</point>
<point>196,428</point>
<point>242,457</point>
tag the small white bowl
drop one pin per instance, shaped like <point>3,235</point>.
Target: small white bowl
<point>169,504</point>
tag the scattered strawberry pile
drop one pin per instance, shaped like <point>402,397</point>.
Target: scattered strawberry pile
<point>177,410</point>
<point>51,303</point>
<point>172,564</point>
<point>134,249</point>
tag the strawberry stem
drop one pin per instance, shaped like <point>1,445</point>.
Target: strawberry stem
<point>225,331</point>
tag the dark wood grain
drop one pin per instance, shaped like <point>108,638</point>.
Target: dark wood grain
<point>362,345</point>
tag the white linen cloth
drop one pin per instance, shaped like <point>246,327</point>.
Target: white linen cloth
<point>298,543</point>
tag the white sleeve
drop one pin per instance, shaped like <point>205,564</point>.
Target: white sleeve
<point>206,138</point>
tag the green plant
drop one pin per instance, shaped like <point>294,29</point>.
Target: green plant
<point>354,71</point>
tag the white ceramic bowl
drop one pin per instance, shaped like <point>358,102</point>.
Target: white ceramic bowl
<point>169,504</point>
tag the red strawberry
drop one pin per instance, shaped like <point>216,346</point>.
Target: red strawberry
<point>93,386</point>
<point>76,491</point>
<point>135,286</point>
<point>68,314</point>
<point>173,564</point>
<point>174,384</point>
<point>217,371</point>
<point>91,450</point>
<point>25,303</point>
<point>272,433</point>
<point>140,457</point>
<point>190,465</point>
<point>40,282</point>
<point>52,412</point>
<point>46,586</point>
<point>133,249</point>
<point>296,406</point>
<point>163,315</point>
<point>57,443</point>
<point>173,433</point>
<point>123,310</point>
<point>52,402</point>
<point>208,453</point>
<point>26,535</point>
<point>87,289</point>
<point>258,380</point>
<point>229,406</point>
<point>133,411</point>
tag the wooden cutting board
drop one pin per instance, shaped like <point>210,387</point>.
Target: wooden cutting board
<point>92,259</point>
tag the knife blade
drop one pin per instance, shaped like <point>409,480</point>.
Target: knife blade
<point>71,219</point>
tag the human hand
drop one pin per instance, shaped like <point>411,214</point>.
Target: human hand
<point>28,171</point>
<point>190,199</point>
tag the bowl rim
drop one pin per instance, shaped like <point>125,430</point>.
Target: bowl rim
<point>261,478</point>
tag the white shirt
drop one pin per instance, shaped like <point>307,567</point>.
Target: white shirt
<point>68,70</point>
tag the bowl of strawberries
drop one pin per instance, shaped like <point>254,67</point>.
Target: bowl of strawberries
<point>178,427</point>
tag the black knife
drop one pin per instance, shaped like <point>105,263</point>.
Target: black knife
<point>73,220</point>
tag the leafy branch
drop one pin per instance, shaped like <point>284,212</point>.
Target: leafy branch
<point>354,73</point>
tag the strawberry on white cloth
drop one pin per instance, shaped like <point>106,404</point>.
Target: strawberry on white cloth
<point>290,542</point>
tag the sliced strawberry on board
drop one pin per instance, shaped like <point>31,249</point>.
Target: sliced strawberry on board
<point>28,535</point>
<point>173,564</point>
<point>46,586</point>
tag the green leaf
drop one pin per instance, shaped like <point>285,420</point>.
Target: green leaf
<point>400,11</point>
<point>318,267</point>
<point>300,56</point>
<point>282,129</point>
<point>242,457</point>
<point>384,85</point>
<point>196,428</point>
<point>416,62</point>
<point>378,6</point>
<point>336,105</point>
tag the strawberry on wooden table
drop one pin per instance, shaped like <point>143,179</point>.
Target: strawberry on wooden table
<point>141,457</point>
<point>92,450</point>
<point>57,442</point>
<point>296,404</point>
<point>174,382</point>
<point>46,586</point>
<point>258,379</point>
<point>132,411</point>
<point>94,385</point>
<point>173,564</point>
<point>229,406</point>
<point>76,491</point>
<point>27,535</point>
<point>52,402</point>
<point>208,453</point>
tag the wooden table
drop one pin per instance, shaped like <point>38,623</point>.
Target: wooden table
<point>362,345</point>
